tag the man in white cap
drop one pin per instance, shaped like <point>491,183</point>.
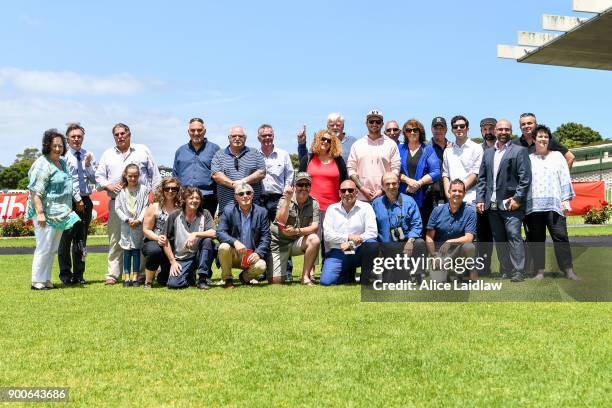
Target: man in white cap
<point>371,157</point>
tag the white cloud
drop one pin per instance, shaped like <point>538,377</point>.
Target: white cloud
<point>72,83</point>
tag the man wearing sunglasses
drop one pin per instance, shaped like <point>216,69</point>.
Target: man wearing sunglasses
<point>294,231</point>
<point>192,164</point>
<point>347,226</point>
<point>528,122</point>
<point>393,131</point>
<point>435,195</point>
<point>372,156</point>
<point>244,234</point>
<point>462,160</point>
<point>237,164</point>
<point>501,190</point>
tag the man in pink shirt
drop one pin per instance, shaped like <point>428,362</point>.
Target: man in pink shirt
<point>371,157</point>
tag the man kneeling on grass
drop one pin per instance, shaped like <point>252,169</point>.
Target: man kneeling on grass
<point>452,227</point>
<point>294,231</point>
<point>244,234</point>
<point>189,233</point>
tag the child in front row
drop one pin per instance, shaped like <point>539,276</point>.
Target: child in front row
<point>130,206</point>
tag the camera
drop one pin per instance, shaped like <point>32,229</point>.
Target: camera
<point>397,234</point>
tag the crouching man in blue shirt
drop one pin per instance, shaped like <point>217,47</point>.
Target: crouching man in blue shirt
<point>452,227</point>
<point>398,221</point>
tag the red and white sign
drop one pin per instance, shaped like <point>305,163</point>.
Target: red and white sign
<point>13,205</point>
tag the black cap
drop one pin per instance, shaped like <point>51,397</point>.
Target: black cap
<point>488,121</point>
<point>438,120</point>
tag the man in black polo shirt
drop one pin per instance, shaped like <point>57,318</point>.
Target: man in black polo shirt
<point>528,122</point>
<point>439,143</point>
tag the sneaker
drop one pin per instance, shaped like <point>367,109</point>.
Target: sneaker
<point>49,285</point>
<point>148,285</point>
<point>127,284</point>
<point>38,286</point>
<point>135,284</point>
<point>203,285</point>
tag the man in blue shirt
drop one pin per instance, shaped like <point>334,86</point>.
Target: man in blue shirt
<point>193,162</point>
<point>452,227</point>
<point>398,221</point>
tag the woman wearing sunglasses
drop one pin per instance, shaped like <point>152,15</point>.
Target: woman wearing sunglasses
<point>167,200</point>
<point>327,170</point>
<point>420,166</point>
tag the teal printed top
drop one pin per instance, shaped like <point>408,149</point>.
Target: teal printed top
<point>54,187</point>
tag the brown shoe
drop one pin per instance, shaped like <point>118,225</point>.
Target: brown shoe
<point>110,281</point>
<point>229,284</point>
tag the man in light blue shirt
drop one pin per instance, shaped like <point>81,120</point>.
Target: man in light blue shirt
<point>72,248</point>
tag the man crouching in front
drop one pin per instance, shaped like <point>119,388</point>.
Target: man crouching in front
<point>244,234</point>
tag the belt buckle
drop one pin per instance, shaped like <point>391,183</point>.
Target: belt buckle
<point>493,205</point>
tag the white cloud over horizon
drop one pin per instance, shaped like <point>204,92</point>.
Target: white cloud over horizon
<point>73,83</point>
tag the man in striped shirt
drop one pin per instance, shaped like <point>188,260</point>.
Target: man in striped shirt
<point>237,164</point>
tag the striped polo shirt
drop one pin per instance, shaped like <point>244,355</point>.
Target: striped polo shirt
<point>249,161</point>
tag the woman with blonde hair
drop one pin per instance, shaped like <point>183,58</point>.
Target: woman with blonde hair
<point>166,201</point>
<point>327,171</point>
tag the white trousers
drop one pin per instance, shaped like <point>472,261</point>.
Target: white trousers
<point>47,242</point>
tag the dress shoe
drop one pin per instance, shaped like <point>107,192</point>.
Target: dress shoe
<point>135,284</point>
<point>39,286</point>
<point>571,275</point>
<point>203,285</point>
<point>242,279</point>
<point>110,281</point>
<point>229,284</point>
<point>68,283</point>
<point>517,277</point>
<point>78,281</point>
<point>127,284</point>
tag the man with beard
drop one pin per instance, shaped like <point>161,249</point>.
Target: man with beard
<point>528,122</point>
<point>502,187</point>
<point>435,194</point>
<point>193,161</point>
<point>484,245</point>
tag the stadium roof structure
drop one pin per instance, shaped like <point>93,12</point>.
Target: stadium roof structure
<point>584,42</point>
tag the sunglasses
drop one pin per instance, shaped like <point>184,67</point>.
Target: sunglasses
<point>347,190</point>
<point>412,130</point>
<point>393,130</point>
<point>244,193</point>
<point>171,189</point>
<point>461,126</point>
<point>326,139</point>
<point>303,185</point>
<point>375,122</point>
<point>236,162</point>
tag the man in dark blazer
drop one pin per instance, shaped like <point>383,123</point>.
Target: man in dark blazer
<point>244,234</point>
<point>502,187</point>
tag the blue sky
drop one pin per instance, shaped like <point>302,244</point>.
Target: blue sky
<point>154,65</point>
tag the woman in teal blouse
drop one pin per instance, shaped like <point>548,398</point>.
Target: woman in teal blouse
<point>49,205</point>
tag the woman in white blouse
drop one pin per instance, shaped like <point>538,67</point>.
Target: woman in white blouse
<point>547,202</point>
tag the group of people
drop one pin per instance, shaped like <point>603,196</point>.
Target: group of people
<point>446,198</point>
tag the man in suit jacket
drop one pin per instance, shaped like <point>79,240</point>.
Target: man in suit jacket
<point>502,187</point>
<point>244,234</point>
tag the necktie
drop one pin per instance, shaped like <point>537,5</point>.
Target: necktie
<point>82,184</point>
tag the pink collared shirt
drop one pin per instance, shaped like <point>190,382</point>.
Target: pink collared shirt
<point>370,159</point>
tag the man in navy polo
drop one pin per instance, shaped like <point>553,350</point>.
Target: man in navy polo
<point>452,227</point>
<point>193,161</point>
<point>235,165</point>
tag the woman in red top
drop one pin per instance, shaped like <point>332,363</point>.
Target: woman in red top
<point>327,170</point>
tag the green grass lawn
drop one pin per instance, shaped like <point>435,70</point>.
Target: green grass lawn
<point>296,346</point>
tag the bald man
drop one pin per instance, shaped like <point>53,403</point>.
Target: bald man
<point>502,187</point>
